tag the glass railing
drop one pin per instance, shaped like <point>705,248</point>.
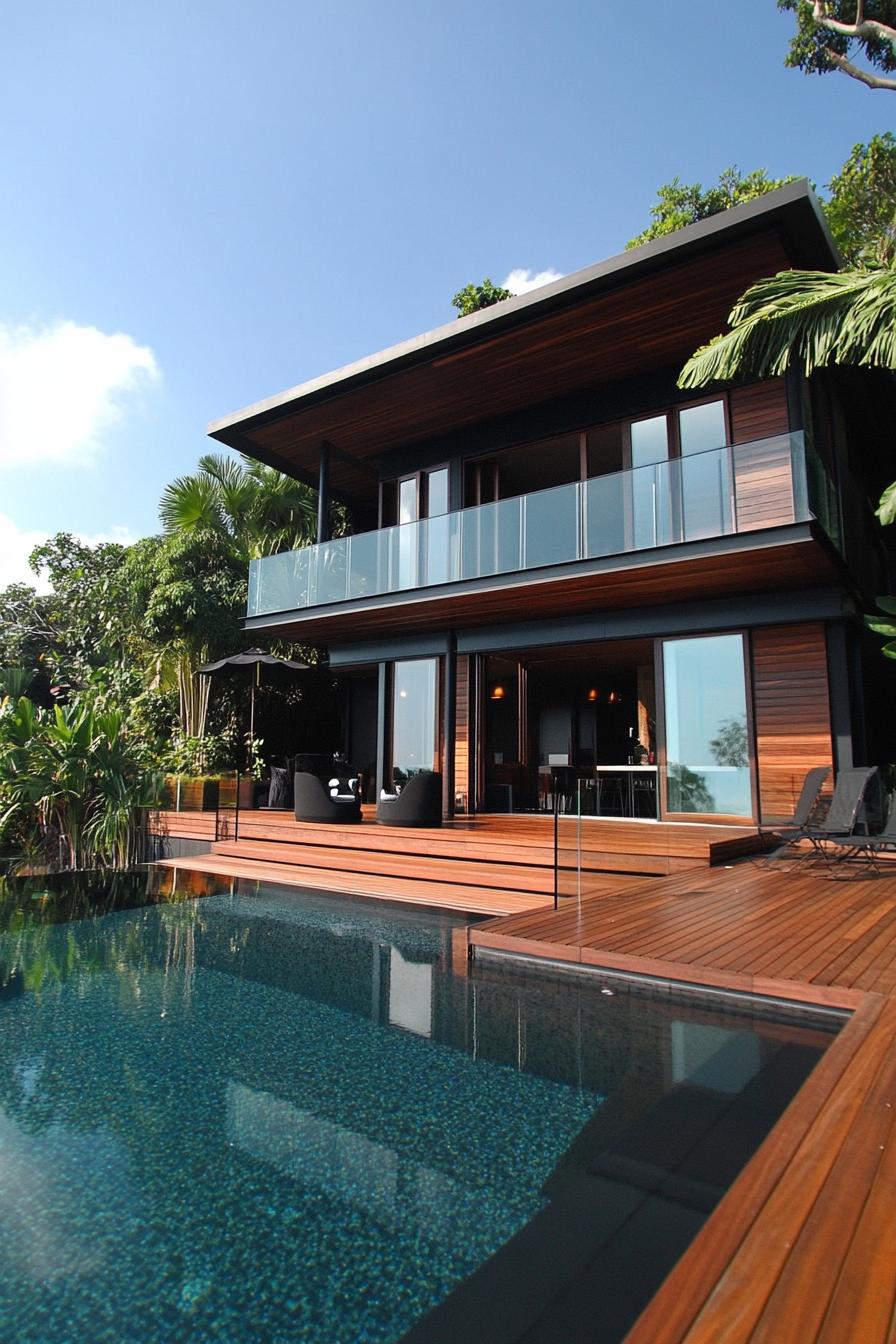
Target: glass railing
<point>711,494</point>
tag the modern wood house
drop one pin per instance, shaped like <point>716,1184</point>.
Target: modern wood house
<point>559,566</point>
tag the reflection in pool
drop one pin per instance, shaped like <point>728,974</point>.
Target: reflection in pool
<point>271,1114</point>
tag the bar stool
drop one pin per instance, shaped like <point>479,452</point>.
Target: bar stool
<point>610,800</point>
<point>644,796</point>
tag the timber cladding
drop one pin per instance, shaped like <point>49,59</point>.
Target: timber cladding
<point>791,713</point>
<point>462,728</point>
<point>763,477</point>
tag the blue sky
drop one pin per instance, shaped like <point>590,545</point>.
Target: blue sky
<point>205,203</point>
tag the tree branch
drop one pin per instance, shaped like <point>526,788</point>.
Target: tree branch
<point>863,28</point>
<point>855,72</point>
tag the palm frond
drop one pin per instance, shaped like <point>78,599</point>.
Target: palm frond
<point>191,503</point>
<point>810,317</point>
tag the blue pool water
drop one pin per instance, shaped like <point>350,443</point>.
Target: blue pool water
<point>267,1115</point>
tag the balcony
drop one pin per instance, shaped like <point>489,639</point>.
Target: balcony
<point>744,488</point>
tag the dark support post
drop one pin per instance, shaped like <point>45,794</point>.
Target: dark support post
<point>323,494</point>
<point>450,724</point>
<point>839,695</point>
<point>381,730</point>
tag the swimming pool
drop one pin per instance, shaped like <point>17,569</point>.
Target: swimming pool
<point>265,1114</point>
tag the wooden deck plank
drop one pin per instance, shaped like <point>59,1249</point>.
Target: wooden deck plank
<point>437,895</point>
<point>865,1290</point>
<point>692,1285</point>
<point>749,925</point>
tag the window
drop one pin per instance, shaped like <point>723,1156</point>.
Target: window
<point>414,710</point>
<point>706,734</point>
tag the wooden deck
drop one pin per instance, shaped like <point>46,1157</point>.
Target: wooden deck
<point>793,935</point>
<point>802,1249</point>
<point>486,865</point>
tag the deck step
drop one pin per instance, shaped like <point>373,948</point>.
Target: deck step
<point>458,871</point>
<point>437,895</point>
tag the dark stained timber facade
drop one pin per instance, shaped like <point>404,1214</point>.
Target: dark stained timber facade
<point>562,577</point>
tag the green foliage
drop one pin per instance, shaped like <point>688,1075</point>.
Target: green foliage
<point>472,297</point>
<point>679,203</point>
<point>251,508</point>
<point>197,594</point>
<point>210,754</point>
<point>23,627</point>
<point>861,211</point>
<point>14,682</point>
<point>82,613</point>
<point>73,788</point>
<point>887,629</point>
<point>817,50</point>
<point>811,317</point>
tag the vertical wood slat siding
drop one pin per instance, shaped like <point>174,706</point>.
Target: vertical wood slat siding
<point>764,486</point>
<point>462,728</point>
<point>792,713</point>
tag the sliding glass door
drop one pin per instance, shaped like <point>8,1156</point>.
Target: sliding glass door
<point>415,698</point>
<point>707,745</point>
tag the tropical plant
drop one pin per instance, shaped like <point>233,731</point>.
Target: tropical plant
<point>193,602</point>
<point>861,208</point>
<point>73,790</point>
<point>813,318</point>
<point>472,297</point>
<point>253,508</point>
<point>14,682</point>
<point>679,203</point>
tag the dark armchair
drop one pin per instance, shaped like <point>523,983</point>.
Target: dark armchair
<point>315,802</point>
<point>418,804</point>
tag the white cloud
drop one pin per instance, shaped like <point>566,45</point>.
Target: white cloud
<point>61,386</point>
<point>16,544</point>
<point>520,281</point>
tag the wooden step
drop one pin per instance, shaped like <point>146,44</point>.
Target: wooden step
<point>436,895</point>
<point>391,863</point>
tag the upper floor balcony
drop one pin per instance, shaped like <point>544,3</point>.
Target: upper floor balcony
<point>743,488</point>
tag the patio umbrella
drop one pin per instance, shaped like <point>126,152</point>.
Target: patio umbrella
<point>250,664</point>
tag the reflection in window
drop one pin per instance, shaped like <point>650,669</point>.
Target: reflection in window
<point>651,498</point>
<point>414,700</point>
<point>707,753</point>
<point>705,477</point>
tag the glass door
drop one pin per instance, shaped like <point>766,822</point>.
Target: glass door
<point>706,496</point>
<point>434,486</point>
<point>414,738</point>
<point>707,738</point>
<point>408,512</point>
<point>651,498</point>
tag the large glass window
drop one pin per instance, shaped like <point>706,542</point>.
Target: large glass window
<point>414,709</point>
<point>707,749</point>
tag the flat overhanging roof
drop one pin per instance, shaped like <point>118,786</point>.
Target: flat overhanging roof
<point>641,310</point>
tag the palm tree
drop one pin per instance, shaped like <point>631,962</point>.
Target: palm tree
<point>258,510</point>
<point>812,318</point>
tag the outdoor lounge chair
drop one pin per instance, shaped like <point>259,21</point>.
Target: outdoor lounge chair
<point>418,804</point>
<point>840,823</point>
<point>314,802</point>
<point>795,829</point>
<point>869,846</point>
